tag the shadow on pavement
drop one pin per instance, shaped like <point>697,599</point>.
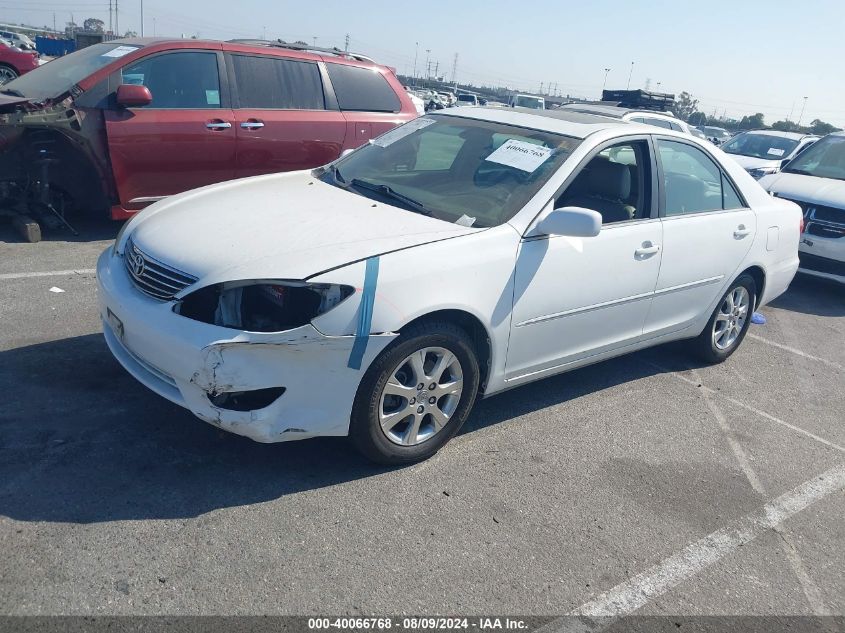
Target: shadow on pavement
<point>813,295</point>
<point>82,442</point>
<point>90,230</point>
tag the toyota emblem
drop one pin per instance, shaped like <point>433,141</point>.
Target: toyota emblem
<point>137,263</point>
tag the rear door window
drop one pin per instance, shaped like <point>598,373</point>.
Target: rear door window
<point>182,80</point>
<point>274,83</point>
<point>362,89</point>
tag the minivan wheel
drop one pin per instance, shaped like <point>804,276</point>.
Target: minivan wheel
<point>7,74</point>
<point>729,322</point>
<point>416,395</point>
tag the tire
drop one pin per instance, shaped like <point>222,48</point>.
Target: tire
<point>401,423</point>
<point>7,74</point>
<point>729,323</point>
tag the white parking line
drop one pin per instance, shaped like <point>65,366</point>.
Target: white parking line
<point>787,544</point>
<point>748,407</point>
<point>48,273</point>
<point>797,352</point>
<point>631,595</point>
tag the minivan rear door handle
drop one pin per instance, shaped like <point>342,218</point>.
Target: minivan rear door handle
<point>252,124</point>
<point>217,124</point>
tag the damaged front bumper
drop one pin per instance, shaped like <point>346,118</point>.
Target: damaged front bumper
<point>193,364</point>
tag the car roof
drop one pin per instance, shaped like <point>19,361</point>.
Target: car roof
<point>575,124</point>
<point>616,112</point>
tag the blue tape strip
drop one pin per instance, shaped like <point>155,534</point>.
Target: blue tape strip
<point>365,314</point>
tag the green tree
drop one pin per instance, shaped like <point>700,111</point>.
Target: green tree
<point>784,126</point>
<point>685,106</point>
<point>753,122</point>
<point>821,128</point>
<point>93,25</point>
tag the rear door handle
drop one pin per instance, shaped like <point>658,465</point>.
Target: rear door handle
<point>252,124</point>
<point>218,125</point>
<point>741,232</point>
<point>647,249</point>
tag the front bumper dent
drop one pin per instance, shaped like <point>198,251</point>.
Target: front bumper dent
<point>185,361</point>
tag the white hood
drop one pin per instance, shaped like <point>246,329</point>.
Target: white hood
<point>280,226</point>
<point>824,191</point>
<point>750,162</point>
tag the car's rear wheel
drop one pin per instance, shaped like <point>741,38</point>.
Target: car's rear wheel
<point>416,395</point>
<point>729,322</point>
<point>7,74</point>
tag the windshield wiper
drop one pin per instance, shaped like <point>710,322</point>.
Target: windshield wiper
<point>12,92</point>
<point>800,172</point>
<point>388,192</point>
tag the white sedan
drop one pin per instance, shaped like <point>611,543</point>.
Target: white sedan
<point>457,256</point>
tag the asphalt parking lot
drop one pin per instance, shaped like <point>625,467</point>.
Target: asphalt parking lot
<point>647,484</point>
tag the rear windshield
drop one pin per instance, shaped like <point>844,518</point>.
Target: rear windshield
<point>470,98</point>
<point>58,76</point>
<point>529,102</point>
<point>765,146</point>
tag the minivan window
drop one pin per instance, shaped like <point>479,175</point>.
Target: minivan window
<point>61,74</point>
<point>180,80</point>
<point>276,83</point>
<point>362,89</point>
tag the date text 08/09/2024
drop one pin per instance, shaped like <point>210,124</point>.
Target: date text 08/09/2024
<point>417,623</point>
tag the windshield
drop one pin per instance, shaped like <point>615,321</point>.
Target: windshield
<point>761,146</point>
<point>473,173</point>
<point>530,102</point>
<point>825,159</point>
<point>61,74</point>
<point>470,98</point>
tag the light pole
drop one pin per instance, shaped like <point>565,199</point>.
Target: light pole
<point>416,52</point>
<point>604,85</point>
<point>427,65</point>
<point>142,19</point>
<point>801,116</point>
<point>658,85</point>
<point>630,74</point>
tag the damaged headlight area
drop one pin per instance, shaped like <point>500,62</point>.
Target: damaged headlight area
<point>262,306</point>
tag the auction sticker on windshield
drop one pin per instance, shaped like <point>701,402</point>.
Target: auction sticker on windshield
<point>402,131</point>
<point>775,151</point>
<point>120,51</point>
<point>520,155</point>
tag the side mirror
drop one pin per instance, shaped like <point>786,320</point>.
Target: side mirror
<point>133,96</point>
<point>569,221</point>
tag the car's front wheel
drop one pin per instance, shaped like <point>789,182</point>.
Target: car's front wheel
<point>729,322</point>
<point>416,395</point>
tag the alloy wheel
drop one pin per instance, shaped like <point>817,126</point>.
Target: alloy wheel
<point>7,75</point>
<point>420,396</point>
<point>731,318</point>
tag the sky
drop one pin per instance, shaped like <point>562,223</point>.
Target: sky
<point>736,57</point>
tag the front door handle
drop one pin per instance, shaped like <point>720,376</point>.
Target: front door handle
<point>646,250</point>
<point>218,125</point>
<point>741,232</point>
<point>252,124</point>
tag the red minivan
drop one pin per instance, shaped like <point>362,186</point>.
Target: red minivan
<point>119,125</point>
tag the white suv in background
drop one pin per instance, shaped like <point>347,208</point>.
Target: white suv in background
<point>665,120</point>
<point>764,152</point>
<point>816,181</point>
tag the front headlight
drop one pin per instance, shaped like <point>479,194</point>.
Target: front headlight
<point>762,171</point>
<point>262,305</point>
